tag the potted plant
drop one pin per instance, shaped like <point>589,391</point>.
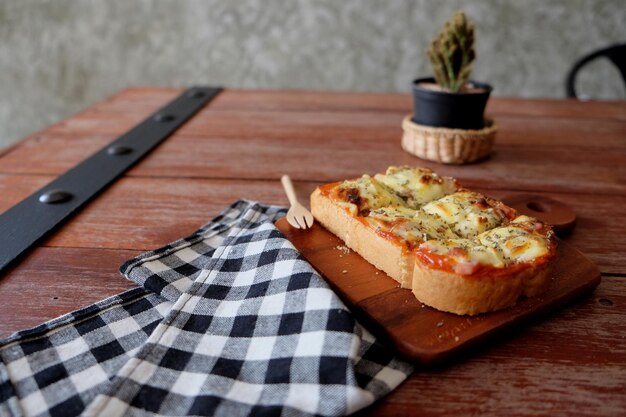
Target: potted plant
<point>450,99</point>
<point>448,124</point>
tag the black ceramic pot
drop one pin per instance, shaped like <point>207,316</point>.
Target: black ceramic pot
<point>452,110</point>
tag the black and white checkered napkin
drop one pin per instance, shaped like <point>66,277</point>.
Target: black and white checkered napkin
<point>230,321</point>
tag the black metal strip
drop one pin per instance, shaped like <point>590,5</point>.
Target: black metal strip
<point>34,217</point>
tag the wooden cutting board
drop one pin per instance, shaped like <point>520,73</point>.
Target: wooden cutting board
<point>421,333</point>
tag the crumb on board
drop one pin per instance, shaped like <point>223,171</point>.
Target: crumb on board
<point>342,248</point>
<point>456,338</point>
<point>344,271</point>
<point>440,324</point>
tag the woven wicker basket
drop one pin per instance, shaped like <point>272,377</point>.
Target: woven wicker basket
<point>448,146</point>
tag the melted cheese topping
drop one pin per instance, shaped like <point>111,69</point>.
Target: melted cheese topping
<point>365,194</point>
<point>465,255</point>
<point>516,243</point>
<point>451,229</point>
<point>467,213</point>
<point>417,186</point>
<point>433,226</point>
<point>523,240</point>
<point>410,225</point>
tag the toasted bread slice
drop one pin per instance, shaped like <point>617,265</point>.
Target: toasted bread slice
<point>362,212</point>
<point>487,273</point>
<point>458,250</point>
<point>385,254</point>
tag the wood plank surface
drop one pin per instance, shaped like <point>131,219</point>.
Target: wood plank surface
<point>238,146</point>
<point>544,152</point>
<point>144,213</point>
<point>226,134</point>
<point>135,99</point>
<point>570,365</point>
<point>534,168</point>
<point>50,282</point>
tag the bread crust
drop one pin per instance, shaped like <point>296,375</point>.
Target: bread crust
<point>469,295</point>
<point>384,254</point>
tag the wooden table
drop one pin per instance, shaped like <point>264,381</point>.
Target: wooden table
<point>570,363</point>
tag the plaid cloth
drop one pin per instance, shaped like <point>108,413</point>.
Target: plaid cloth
<point>230,321</point>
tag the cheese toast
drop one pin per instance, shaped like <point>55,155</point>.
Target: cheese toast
<point>456,250</point>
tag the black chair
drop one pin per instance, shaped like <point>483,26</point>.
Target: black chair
<point>615,53</point>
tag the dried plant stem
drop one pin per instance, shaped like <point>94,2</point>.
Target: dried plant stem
<point>451,53</point>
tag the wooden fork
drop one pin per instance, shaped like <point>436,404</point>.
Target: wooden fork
<point>297,216</point>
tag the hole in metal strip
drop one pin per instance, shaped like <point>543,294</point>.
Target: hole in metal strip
<point>119,150</point>
<point>196,94</point>
<point>164,118</point>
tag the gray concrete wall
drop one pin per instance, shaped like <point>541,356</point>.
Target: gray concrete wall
<point>59,56</point>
